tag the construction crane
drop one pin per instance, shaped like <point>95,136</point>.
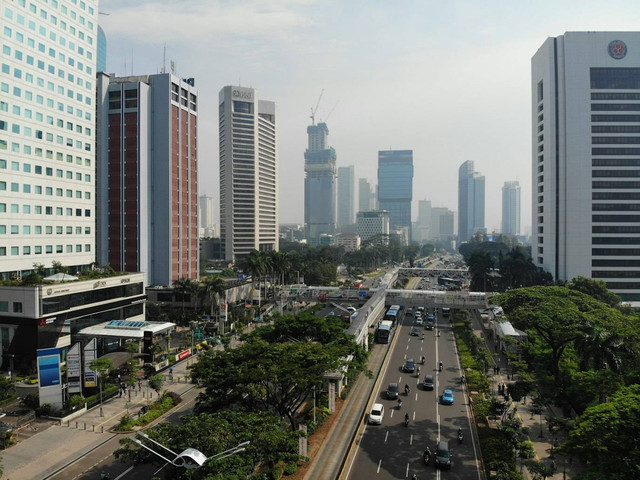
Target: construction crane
<point>314,110</point>
<point>330,111</point>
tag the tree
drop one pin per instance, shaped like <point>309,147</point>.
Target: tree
<point>606,436</point>
<point>595,288</point>
<point>260,376</point>
<point>103,366</point>
<point>480,266</point>
<point>156,382</point>
<point>212,288</point>
<point>556,316</point>
<point>185,287</point>
<point>271,445</point>
<point>7,388</point>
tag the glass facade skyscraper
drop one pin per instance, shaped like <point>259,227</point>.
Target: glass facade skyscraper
<point>395,186</point>
<point>511,208</point>
<point>470,202</point>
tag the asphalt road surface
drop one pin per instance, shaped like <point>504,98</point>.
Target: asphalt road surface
<point>393,450</point>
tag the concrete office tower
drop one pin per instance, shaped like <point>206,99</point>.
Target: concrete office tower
<point>586,160</point>
<point>346,196</point>
<point>395,186</point>
<point>373,223</point>
<point>441,224</point>
<point>470,202</point>
<point>364,195</point>
<point>319,185</point>
<point>205,216</point>
<point>248,172</point>
<point>511,208</point>
<point>422,228</point>
<point>47,135</point>
<point>148,176</point>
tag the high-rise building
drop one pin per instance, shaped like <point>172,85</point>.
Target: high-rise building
<point>319,185</point>
<point>248,172</point>
<point>395,185</point>
<point>205,216</point>
<point>470,202</point>
<point>442,221</point>
<point>346,195</point>
<point>101,59</point>
<point>147,176</point>
<point>47,135</point>
<point>373,223</point>
<point>586,131</point>
<point>511,208</point>
<point>364,195</point>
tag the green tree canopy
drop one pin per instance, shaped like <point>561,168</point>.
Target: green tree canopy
<point>606,436</point>
<point>212,433</point>
<point>259,376</point>
<point>595,288</point>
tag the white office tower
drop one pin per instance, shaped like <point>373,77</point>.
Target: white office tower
<point>248,172</point>
<point>47,134</point>
<point>586,158</point>
<point>511,208</point>
<point>205,216</point>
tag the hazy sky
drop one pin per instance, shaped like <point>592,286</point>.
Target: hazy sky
<point>448,79</point>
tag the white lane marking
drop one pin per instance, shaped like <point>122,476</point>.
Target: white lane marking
<point>386,436</point>
<point>411,440</point>
<point>407,474</point>
<point>379,464</point>
<point>157,471</point>
<point>414,415</point>
<point>124,473</point>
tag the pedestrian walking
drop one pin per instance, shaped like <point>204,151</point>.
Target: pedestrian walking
<point>139,385</point>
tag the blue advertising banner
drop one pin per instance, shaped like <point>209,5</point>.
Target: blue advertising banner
<point>49,370</point>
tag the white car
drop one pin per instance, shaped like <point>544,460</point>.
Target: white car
<point>377,414</point>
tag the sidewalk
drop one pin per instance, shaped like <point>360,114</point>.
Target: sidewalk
<point>54,446</point>
<point>539,432</point>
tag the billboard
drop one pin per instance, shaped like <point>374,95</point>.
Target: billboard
<point>90,354</point>
<point>74,369</point>
<point>49,377</point>
<point>49,370</point>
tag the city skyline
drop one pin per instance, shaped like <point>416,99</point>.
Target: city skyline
<point>475,79</point>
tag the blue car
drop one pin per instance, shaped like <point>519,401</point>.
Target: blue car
<point>447,397</point>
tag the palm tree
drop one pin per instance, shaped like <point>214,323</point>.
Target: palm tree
<point>254,264</point>
<point>211,289</point>
<point>184,286</point>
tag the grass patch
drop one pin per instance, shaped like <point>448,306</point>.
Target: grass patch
<point>166,402</point>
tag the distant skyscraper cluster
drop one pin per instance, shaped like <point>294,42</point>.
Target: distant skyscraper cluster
<point>470,202</point>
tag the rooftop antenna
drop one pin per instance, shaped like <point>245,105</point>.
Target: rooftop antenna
<point>314,110</point>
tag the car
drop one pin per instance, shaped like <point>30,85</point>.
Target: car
<point>429,325</point>
<point>447,397</point>
<point>392,391</point>
<point>421,309</point>
<point>431,318</point>
<point>415,332</point>
<point>409,312</point>
<point>409,365</point>
<point>443,455</point>
<point>352,309</point>
<point>332,314</point>
<point>377,414</point>
<point>5,428</point>
<point>419,321</point>
<point>428,382</point>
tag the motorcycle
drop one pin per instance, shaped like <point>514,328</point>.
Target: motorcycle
<point>399,404</point>
<point>423,360</point>
<point>440,366</point>
<point>406,420</point>
<point>460,436</point>
<point>426,456</point>
<point>406,389</point>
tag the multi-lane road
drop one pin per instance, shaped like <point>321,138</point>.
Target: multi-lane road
<point>393,450</point>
